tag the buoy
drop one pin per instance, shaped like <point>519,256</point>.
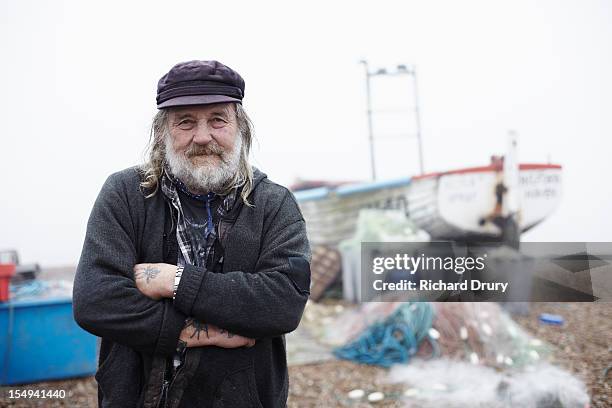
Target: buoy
<point>376,396</point>
<point>434,334</point>
<point>356,394</point>
<point>463,333</point>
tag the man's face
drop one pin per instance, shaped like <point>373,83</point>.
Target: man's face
<point>203,145</point>
<point>203,133</point>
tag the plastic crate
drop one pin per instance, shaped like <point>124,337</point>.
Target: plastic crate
<point>39,340</point>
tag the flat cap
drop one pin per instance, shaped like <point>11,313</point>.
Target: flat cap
<point>199,83</point>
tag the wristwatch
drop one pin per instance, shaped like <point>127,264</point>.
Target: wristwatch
<point>177,279</point>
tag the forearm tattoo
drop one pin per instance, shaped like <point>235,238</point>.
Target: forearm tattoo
<point>149,273</point>
<point>198,327</point>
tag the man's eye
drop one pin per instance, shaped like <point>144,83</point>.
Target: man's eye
<point>185,124</point>
<point>218,122</point>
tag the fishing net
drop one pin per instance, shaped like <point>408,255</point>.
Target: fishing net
<point>481,333</point>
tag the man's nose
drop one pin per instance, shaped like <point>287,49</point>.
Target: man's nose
<point>202,134</point>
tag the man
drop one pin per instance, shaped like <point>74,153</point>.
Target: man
<point>194,265</point>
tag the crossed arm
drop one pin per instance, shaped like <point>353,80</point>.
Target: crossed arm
<point>265,302</point>
<point>156,281</point>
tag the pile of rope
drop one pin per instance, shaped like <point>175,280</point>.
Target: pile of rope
<point>395,339</point>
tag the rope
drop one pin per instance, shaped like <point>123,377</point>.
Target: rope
<point>394,340</point>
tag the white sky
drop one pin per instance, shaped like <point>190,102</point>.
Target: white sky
<point>79,80</point>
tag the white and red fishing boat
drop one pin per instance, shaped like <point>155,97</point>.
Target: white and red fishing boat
<point>469,203</point>
<point>494,202</point>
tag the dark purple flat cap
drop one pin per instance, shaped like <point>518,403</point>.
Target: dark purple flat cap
<point>199,83</point>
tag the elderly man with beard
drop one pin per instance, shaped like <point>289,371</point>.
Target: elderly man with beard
<point>195,264</point>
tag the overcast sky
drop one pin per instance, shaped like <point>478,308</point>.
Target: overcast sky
<point>79,81</point>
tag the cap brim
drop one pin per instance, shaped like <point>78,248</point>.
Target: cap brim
<point>196,100</point>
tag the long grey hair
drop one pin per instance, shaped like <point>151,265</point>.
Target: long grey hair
<point>153,168</point>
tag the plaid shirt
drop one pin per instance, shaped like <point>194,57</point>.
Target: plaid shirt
<point>196,248</point>
<point>193,249</point>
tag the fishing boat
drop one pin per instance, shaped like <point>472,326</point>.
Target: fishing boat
<point>496,202</point>
<point>468,203</point>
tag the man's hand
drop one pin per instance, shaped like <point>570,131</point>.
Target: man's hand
<point>198,334</point>
<point>155,280</point>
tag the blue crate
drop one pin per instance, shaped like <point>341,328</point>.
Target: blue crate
<point>39,340</point>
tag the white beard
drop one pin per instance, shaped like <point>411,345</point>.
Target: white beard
<point>206,177</point>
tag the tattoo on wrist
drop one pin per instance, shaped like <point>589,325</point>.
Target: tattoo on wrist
<point>149,273</point>
<point>229,335</point>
